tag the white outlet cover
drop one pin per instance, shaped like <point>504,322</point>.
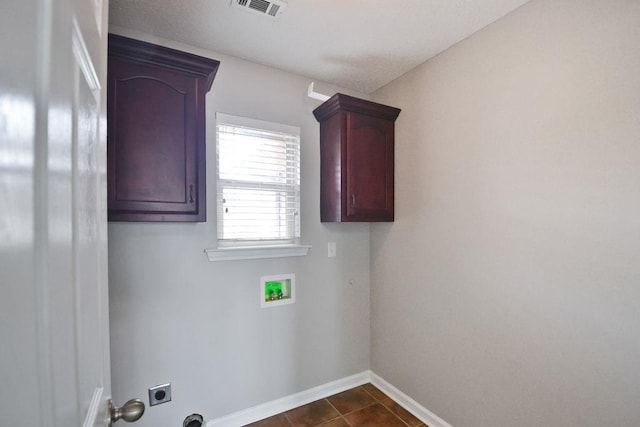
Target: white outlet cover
<point>331,249</point>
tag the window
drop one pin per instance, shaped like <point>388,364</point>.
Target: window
<point>258,182</point>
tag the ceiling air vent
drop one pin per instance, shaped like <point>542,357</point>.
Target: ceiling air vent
<point>271,8</point>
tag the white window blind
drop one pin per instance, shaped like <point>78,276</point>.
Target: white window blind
<point>258,182</point>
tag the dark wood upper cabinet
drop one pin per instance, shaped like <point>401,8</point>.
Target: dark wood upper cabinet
<point>156,132</point>
<point>356,160</point>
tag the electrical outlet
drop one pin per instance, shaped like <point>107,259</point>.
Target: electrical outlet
<point>331,249</point>
<point>160,394</point>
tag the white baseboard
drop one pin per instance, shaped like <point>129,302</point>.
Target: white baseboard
<point>266,410</point>
<point>420,412</point>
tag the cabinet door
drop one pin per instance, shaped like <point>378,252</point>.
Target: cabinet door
<point>369,168</point>
<point>153,144</point>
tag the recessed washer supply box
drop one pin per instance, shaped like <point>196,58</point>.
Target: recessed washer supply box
<point>277,290</point>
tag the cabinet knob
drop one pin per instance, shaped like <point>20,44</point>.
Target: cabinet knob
<point>353,200</point>
<point>191,193</point>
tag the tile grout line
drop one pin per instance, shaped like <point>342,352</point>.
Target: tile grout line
<point>385,406</point>
<point>340,414</point>
<point>344,416</point>
<point>286,417</point>
<point>375,401</point>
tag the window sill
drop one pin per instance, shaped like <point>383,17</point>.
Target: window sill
<point>256,252</point>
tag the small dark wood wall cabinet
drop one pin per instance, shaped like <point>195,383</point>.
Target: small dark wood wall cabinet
<point>156,132</point>
<point>356,159</point>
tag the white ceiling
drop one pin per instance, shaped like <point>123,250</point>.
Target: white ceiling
<point>357,44</point>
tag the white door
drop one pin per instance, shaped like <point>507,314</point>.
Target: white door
<point>54,324</point>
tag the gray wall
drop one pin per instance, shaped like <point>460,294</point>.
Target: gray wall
<point>176,317</point>
<point>507,292</point>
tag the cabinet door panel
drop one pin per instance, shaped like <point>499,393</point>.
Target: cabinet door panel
<point>369,167</point>
<point>151,142</point>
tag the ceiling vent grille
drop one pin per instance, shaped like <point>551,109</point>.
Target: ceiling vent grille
<point>272,8</point>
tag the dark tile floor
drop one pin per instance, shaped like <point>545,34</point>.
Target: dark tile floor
<point>364,406</point>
